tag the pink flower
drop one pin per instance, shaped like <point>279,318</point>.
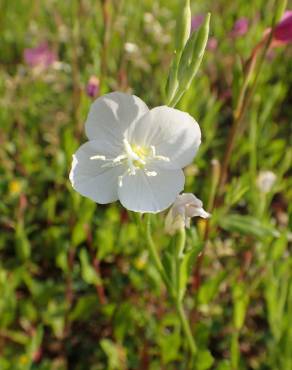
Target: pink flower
<point>240,27</point>
<point>92,88</point>
<point>212,43</point>
<point>283,30</point>
<point>40,56</point>
<point>197,20</point>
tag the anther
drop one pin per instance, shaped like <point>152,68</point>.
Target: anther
<point>101,157</point>
<point>151,173</point>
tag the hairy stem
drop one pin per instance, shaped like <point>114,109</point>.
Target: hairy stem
<point>186,328</point>
<point>153,251</point>
<point>172,289</point>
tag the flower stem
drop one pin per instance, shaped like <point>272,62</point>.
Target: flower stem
<point>181,242</point>
<point>186,328</point>
<point>153,251</point>
<point>172,289</point>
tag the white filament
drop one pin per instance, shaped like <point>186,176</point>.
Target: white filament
<point>129,157</point>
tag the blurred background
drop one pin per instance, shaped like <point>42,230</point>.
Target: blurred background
<point>77,290</point>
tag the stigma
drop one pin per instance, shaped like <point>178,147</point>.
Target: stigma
<point>134,158</point>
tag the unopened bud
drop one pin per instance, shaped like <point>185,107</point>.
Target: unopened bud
<point>185,207</point>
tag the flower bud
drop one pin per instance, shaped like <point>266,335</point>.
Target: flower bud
<point>92,88</point>
<point>240,27</point>
<point>191,59</point>
<point>283,30</point>
<point>185,207</point>
<point>183,28</point>
<point>265,181</point>
<point>197,20</point>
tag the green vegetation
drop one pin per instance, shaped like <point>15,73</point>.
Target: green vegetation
<point>78,289</point>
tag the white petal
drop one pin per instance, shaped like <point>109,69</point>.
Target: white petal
<point>90,179</point>
<point>202,213</point>
<point>173,133</point>
<point>188,199</point>
<point>111,114</point>
<point>152,194</point>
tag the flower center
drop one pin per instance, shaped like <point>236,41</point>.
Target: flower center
<point>134,157</point>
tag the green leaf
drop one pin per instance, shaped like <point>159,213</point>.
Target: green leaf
<point>84,308</point>
<point>172,81</point>
<point>224,365</point>
<point>115,354</point>
<point>240,298</point>
<point>78,234</point>
<point>88,273</point>
<point>22,243</point>
<point>210,288</point>
<point>35,341</point>
<point>278,247</point>
<point>204,360</point>
<point>247,225</point>
<point>185,268</point>
<point>169,264</point>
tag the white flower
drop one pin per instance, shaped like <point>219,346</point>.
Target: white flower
<point>185,207</point>
<point>266,180</point>
<point>131,48</point>
<point>134,154</point>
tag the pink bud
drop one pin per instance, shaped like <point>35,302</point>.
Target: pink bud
<point>92,88</point>
<point>212,43</point>
<point>240,27</point>
<point>283,30</point>
<point>197,20</point>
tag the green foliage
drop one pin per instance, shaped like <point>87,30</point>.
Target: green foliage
<point>78,290</point>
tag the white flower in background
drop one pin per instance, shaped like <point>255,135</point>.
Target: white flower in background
<point>131,48</point>
<point>265,181</point>
<point>185,207</point>
<point>134,154</point>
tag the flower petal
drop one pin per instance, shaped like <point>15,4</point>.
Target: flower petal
<point>111,114</point>
<point>173,133</point>
<point>90,179</point>
<point>142,193</point>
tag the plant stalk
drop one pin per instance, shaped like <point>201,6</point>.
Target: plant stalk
<point>186,328</point>
<point>153,251</point>
<point>244,99</point>
<point>172,290</point>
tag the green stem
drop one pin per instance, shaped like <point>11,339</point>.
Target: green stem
<point>245,98</point>
<point>153,251</point>
<point>186,328</point>
<point>181,242</point>
<point>184,321</point>
<point>172,290</point>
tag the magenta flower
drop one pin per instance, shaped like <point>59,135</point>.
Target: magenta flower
<point>283,30</point>
<point>240,27</point>
<point>92,88</point>
<point>197,20</point>
<point>40,56</point>
<point>212,43</point>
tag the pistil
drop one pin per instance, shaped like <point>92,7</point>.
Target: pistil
<point>135,159</point>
